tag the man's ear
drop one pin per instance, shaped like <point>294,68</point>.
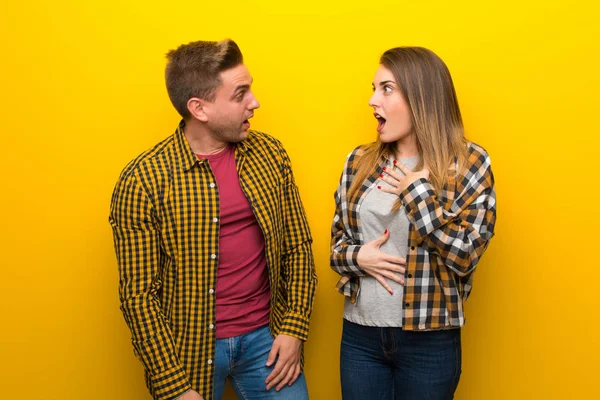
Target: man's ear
<point>197,109</point>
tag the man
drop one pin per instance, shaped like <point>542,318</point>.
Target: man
<point>213,244</point>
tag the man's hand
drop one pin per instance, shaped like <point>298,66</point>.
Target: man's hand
<point>190,395</point>
<point>286,349</point>
<point>381,265</point>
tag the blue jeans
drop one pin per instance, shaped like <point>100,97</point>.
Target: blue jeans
<point>393,364</point>
<point>242,360</point>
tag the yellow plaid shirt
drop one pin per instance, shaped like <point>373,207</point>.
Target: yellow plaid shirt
<point>166,239</point>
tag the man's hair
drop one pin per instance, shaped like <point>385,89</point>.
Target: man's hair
<point>193,70</point>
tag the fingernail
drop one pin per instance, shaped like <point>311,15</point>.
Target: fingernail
<point>378,187</point>
<point>391,292</point>
<point>384,168</point>
<point>381,175</point>
<point>395,162</point>
<point>385,233</point>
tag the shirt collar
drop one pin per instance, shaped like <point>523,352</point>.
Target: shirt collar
<point>187,158</point>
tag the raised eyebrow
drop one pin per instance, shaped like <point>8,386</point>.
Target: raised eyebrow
<point>245,86</point>
<point>383,83</point>
<point>240,88</point>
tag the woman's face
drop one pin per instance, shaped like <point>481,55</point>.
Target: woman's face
<point>391,110</point>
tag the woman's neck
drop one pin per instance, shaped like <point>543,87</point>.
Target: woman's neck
<point>406,147</point>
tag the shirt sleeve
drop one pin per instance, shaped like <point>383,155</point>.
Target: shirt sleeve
<point>344,249</point>
<point>297,258</point>
<point>459,237</point>
<point>136,240</point>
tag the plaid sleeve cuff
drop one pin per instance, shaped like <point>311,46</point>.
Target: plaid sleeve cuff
<point>423,207</point>
<point>416,193</point>
<point>344,260</point>
<point>170,384</point>
<point>295,325</point>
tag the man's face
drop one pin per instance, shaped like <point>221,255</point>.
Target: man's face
<point>234,104</point>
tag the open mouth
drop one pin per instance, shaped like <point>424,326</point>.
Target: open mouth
<point>246,123</point>
<point>380,122</point>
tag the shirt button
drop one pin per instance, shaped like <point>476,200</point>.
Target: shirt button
<point>410,275</point>
<point>407,305</point>
<point>209,362</point>
<point>211,291</point>
<point>215,219</point>
<point>212,185</point>
<point>211,326</point>
<point>213,256</point>
<point>412,247</point>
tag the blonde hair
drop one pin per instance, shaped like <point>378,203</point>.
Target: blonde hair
<point>426,85</point>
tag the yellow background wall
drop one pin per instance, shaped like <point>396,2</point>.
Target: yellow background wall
<point>82,93</point>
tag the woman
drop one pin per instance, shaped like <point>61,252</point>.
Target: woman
<point>414,213</point>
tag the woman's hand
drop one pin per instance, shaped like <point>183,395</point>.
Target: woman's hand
<point>381,265</point>
<point>399,182</point>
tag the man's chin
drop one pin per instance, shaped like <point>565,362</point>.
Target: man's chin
<point>239,137</point>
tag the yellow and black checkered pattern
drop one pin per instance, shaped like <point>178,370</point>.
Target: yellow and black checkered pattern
<point>164,214</point>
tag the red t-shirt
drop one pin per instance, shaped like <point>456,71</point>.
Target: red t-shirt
<point>242,292</point>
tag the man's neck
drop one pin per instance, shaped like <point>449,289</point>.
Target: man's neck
<point>201,141</point>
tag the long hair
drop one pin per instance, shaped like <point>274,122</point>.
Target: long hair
<point>425,82</point>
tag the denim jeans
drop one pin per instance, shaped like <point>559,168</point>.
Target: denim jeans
<point>242,360</point>
<point>393,364</point>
